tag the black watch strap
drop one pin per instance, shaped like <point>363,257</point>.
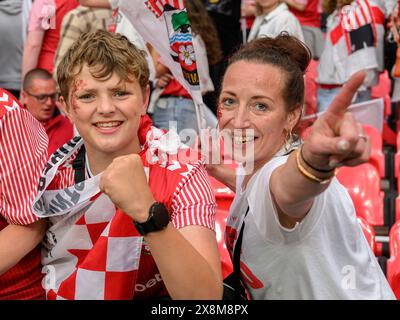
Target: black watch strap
<point>158,219</point>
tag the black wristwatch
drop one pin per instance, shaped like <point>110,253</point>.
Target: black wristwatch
<point>158,219</point>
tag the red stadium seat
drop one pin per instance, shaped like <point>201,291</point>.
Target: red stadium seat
<point>397,213</point>
<point>369,233</point>
<point>363,184</point>
<point>393,264</point>
<point>377,157</point>
<point>382,90</point>
<point>311,88</point>
<point>223,194</point>
<point>397,175</point>
<point>397,161</point>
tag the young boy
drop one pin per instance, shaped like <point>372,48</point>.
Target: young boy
<point>95,251</point>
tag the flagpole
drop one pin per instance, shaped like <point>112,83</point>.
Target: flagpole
<point>201,121</point>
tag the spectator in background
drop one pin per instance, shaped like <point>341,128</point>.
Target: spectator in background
<point>123,26</point>
<point>12,35</point>
<point>75,23</point>
<point>226,17</point>
<point>40,97</point>
<point>44,33</point>
<point>23,154</point>
<point>248,12</point>
<point>273,17</point>
<point>354,42</point>
<point>310,19</point>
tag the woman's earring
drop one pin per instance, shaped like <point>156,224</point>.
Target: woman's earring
<point>288,140</point>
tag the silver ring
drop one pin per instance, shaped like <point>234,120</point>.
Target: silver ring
<point>364,137</point>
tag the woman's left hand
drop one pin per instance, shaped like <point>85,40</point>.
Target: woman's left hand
<point>125,182</point>
<point>337,138</point>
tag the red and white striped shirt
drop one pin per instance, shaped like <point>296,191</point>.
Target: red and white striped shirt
<point>23,154</point>
<point>183,188</point>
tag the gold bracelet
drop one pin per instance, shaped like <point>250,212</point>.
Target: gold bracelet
<point>308,174</point>
<point>321,174</point>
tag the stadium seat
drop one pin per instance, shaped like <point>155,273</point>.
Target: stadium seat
<point>310,97</point>
<point>382,90</point>
<point>363,184</point>
<point>369,233</point>
<point>397,213</point>
<point>397,175</point>
<point>397,160</point>
<point>393,264</point>
<point>223,194</point>
<point>377,157</point>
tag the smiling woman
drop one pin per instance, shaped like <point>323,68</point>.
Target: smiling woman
<point>300,234</point>
<point>104,84</point>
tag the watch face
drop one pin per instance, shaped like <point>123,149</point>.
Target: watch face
<point>158,219</point>
<point>161,216</point>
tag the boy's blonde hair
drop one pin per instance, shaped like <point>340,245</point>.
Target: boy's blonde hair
<point>104,53</point>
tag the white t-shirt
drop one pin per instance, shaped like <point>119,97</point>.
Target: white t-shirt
<point>325,256</point>
<point>278,20</point>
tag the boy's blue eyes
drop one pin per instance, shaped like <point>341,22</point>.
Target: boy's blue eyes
<point>121,93</point>
<point>85,96</point>
<point>90,95</point>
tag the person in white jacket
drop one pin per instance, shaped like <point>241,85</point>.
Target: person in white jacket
<point>274,17</point>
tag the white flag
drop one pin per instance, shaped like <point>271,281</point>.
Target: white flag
<point>369,112</point>
<point>165,25</point>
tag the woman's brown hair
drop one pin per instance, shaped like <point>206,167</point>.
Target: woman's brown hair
<point>285,52</point>
<point>288,54</point>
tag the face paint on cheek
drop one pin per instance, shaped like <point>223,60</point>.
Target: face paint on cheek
<point>78,85</point>
<point>219,112</point>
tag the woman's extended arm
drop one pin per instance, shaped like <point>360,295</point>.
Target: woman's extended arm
<point>335,139</point>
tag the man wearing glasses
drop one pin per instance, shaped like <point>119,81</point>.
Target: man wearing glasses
<point>40,98</point>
